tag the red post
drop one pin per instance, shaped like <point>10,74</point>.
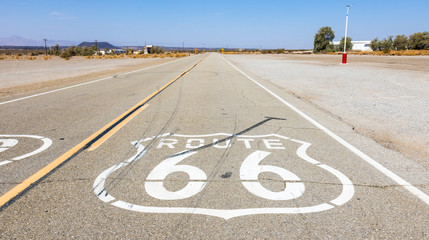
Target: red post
<point>344,58</point>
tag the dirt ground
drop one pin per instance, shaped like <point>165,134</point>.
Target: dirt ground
<point>385,98</point>
<point>414,63</point>
<point>20,76</point>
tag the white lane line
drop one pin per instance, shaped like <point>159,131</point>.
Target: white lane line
<point>86,83</point>
<point>5,162</point>
<point>415,191</point>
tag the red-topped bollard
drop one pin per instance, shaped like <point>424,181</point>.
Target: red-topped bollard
<point>344,58</point>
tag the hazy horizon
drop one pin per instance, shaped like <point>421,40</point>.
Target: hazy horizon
<point>233,24</point>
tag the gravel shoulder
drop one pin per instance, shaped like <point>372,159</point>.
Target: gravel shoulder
<point>384,98</point>
<point>20,76</point>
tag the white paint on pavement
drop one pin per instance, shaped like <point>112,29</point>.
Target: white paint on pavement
<point>415,191</point>
<point>10,141</point>
<point>5,162</point>
<point>155,180</point>
<point>249,172</point>
<point>86,83</point>
<point>7,143</point>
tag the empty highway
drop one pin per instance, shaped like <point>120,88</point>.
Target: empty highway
<point>196,148</point>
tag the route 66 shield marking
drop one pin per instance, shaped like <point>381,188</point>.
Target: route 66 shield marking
<point>9,141</point>
<point>250,169</point>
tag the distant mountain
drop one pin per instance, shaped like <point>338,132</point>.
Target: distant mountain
<point>61,43</point>
<point>20,41</point>
<point>100,45</point>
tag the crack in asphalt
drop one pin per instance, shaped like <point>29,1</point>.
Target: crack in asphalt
<point>223,181</point>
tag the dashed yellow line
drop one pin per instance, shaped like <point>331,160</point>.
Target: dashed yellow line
<point>95,139</point>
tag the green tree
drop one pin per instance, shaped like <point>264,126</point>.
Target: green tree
<point>400,42</point>
<point>426,36</point>
<point>93,49</point>
<point>323,40</point>
<point>349,44</point>
<point>419,40</point>
<point>375,44</point>
<point>387,44</point>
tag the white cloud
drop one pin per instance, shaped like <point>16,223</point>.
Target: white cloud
<point>61,16</point>
<point>57,14</point>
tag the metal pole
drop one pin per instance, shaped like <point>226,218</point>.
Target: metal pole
<point>345,37</point>
<point>46,49</point>
<point>347,21</point>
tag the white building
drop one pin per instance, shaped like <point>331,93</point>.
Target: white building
<point>358,45</point>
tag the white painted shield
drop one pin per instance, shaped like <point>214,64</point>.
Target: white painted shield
<point>249,171</point>
<point>9,141</point>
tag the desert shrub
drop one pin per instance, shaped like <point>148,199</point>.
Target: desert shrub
<point>267,51</point>
<point>55,51</point>
<point>156,50</point>
<point>66,54</point>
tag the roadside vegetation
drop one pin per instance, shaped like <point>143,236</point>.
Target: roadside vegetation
<point>87,52</point>
<point>414,45</point>
<point>416,41</point>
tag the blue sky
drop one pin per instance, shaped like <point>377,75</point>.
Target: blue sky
<point>249,24</point>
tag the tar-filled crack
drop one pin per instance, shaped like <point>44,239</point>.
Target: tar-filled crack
<point>228,138</point>
<point>265,180</point>
<point>130,166</point>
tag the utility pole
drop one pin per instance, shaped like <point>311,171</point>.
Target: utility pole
<point>183,46</point>
<point>345,37</point>
<point>46,49</point>
<point>96,46</point>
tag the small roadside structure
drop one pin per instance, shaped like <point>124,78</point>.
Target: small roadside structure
<point>147,49</point>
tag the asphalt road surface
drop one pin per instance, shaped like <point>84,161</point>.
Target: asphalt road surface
<point>195,149</point>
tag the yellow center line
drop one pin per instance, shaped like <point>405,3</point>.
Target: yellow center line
<point>106,136</point>
<point>94,138</point>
